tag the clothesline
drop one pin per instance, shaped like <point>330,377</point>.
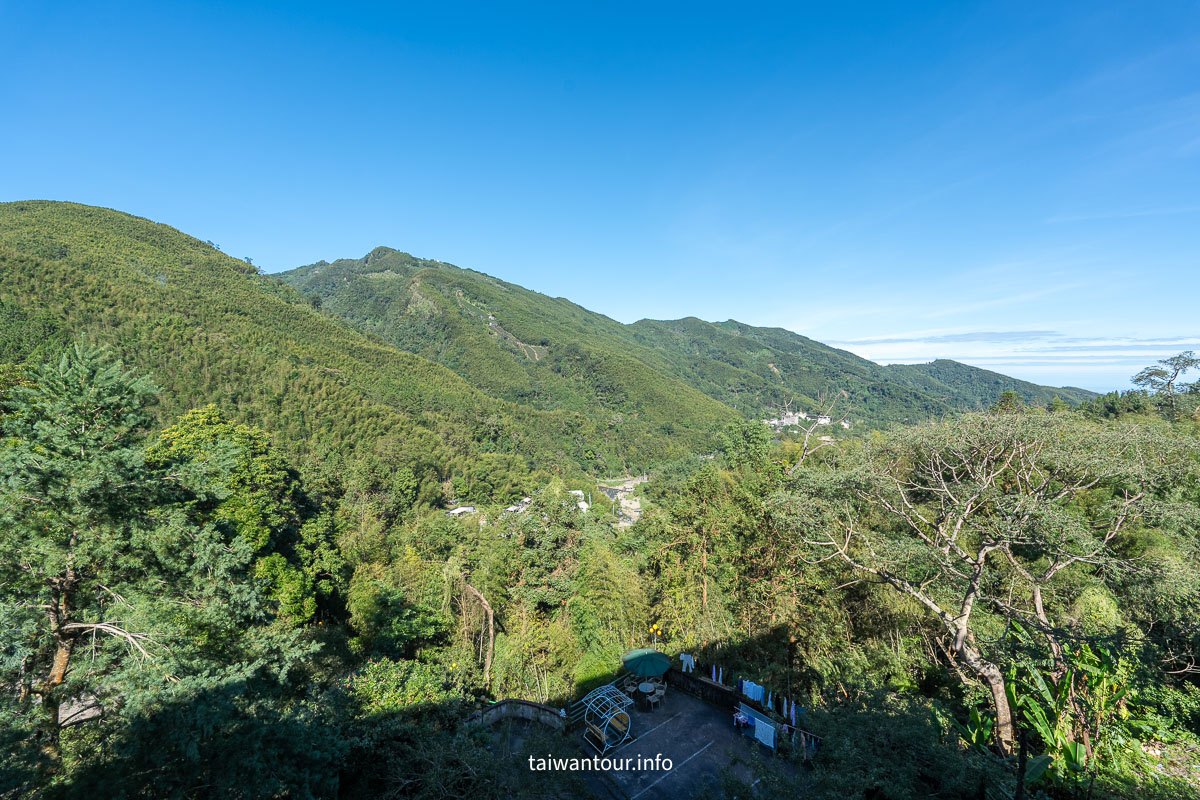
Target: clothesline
<point>768,699</point>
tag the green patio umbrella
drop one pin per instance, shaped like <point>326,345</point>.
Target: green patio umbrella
<point>646,663</point>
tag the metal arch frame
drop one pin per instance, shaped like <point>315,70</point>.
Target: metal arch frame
<point>606,700</point>
<point>601,706</point>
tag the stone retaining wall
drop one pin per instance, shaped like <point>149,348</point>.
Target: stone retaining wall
<point>519,709</point>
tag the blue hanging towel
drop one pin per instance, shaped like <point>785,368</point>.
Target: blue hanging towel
<point>721,676</point>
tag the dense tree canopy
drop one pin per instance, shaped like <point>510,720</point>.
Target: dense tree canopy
<point>240,579</point>
<point>185,614</point>
<point>122,590</point>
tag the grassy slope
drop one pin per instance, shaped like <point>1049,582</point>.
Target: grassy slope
<point>544,352</point>
<point>212,330</point>
<point>958,385</point>
<point>549,353</point>
<point>776,365</point>
<point>980,386</point>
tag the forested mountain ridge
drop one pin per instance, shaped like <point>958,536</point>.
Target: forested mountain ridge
<point>952,382</point>
<point>777,362</point>
<point>233,577</point>
<point>212,330</point>
<point>550,353</point>
<point>978,385</point>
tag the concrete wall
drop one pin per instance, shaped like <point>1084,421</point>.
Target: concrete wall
<point>519,709</point>
<point>723,697</point>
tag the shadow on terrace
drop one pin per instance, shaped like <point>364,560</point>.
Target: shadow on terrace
<point>238,740</point>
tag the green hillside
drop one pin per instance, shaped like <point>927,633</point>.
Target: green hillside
<point>211,329</point>
<point>979,386</point>
<point>235,618</point>
<point>449,369</point>
<point>762,369</point>
<point>548,353</point>
<point>871,386</point>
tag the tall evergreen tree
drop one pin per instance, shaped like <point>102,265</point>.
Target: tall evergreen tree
<point>121,597</point>
<point>73,498</point>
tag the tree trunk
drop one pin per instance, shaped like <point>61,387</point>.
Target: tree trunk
<point>991,675</point>
<point>49,693</point>
<point>1056,651</point>
<point>491,623</point>
<point>1004,723</point>
<point>64,642</point>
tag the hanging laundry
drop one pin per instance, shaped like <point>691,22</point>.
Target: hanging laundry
<point>714,670</point>
<point>687,662</point>
<point>721,676</point>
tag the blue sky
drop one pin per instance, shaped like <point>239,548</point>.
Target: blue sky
<point>1015,185</point>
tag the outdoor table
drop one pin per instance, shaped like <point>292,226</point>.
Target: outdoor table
<point>645,689</point>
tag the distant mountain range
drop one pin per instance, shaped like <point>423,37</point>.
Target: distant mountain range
<point>549,353</point>
<point>452,369</point>
<point>212,330</point>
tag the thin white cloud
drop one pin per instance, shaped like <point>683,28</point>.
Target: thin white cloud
<point>1042,355</point>
<point>1130,214</point>
<point>952,309</point>
<point>968,336</point>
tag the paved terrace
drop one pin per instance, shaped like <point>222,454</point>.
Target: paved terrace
<point>699,739</point>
